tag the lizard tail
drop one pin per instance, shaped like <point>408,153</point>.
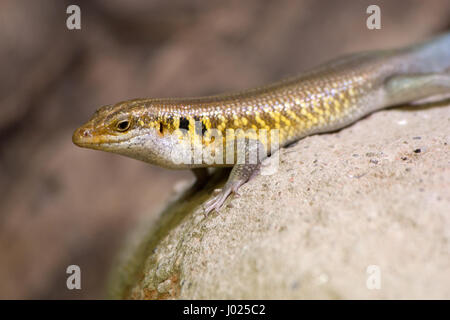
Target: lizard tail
<point>424,72</point>
<point>432,56</point>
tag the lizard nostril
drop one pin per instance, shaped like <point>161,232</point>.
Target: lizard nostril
<point>84,132</point>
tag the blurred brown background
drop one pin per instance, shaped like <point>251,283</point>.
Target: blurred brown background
<point>62,205</point>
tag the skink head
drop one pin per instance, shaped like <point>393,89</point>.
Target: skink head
<point>108,126</point>
<point>132,128</point>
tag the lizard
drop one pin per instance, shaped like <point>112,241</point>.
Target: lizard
<point>324,99</point>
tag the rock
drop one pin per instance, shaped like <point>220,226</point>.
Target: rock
<point>328,224</point>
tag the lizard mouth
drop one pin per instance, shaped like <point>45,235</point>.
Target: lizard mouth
<point>86,138</point>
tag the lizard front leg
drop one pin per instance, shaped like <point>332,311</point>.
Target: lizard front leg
<point>254,152</point>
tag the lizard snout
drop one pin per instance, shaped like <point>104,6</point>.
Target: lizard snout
<point>81,136</point>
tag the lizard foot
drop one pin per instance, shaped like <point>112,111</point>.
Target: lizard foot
<point>217,201</point>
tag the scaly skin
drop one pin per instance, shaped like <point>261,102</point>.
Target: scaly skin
<point>325,99</point>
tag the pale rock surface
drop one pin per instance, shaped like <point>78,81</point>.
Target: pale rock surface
<point>374,194</point>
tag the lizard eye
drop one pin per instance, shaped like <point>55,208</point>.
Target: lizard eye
<point>123,125</point>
